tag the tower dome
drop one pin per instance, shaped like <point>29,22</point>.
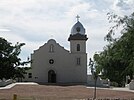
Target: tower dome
<point>78,29</point>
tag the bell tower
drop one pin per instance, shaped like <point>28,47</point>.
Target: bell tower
<point>78,38</point>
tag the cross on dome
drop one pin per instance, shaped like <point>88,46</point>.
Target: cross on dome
<point>77,17</point>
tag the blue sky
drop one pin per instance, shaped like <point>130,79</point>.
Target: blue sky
<point>34,22</point>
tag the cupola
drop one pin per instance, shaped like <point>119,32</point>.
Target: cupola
<point>77,31</point>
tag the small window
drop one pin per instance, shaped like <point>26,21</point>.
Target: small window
<point>78,29</point>
<point>51,61</point>
<point>78,47</point>
<point>29,75</point>
<point>78,61</point>
<point>51,49</point>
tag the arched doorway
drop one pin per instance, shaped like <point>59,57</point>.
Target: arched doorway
<point>51,76</point>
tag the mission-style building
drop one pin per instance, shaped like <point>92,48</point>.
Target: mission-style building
<point>52,63</point>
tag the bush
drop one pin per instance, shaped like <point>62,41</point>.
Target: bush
<point>115,84</point>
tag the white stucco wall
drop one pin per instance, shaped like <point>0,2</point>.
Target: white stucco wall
<point>73,46</point>
<point>65,66</point>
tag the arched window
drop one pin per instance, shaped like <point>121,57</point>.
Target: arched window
<point>51,49</point>
<point>78,47</point>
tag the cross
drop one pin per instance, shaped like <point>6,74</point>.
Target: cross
<point>77,17</point>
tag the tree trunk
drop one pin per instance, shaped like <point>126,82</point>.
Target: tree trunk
<point>95,89</point>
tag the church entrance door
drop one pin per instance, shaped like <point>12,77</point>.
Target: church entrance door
<point>51,76</point>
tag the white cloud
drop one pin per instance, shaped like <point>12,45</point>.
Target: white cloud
<point>122,7</point>
<point>34,21</point>
<point>4,30</point>
<point>80,8</point>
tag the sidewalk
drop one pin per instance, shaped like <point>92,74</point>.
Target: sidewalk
<point>8,86</point>
<point>13,84</point>
<point>122,89</point>
<point>115,88</point>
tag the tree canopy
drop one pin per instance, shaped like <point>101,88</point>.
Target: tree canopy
<point>117,59</point>
<point>9,60</point>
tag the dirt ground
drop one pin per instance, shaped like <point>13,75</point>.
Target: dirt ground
<point>50,92</point>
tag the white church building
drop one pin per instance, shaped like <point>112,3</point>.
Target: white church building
<point>52,63</point>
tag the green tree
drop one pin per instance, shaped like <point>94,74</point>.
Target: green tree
<point>117,59</point>
<point>9,60</point>
<point>20,73</point>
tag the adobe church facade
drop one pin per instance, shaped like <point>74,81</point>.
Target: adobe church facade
<point>51,63</point>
